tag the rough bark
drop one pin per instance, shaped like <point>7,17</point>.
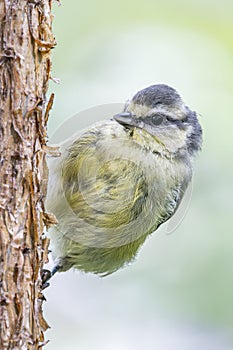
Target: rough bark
<point>25,43</point>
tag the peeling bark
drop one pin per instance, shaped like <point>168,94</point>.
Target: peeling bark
<point>25,43</point>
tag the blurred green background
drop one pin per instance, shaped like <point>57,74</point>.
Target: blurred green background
<point>179,292</point>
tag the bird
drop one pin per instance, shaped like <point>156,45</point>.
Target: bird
<point>118,180</point>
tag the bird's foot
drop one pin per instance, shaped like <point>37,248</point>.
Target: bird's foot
<point>45,276</point>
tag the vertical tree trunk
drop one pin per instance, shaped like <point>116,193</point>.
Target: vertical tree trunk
<point>25,43</point>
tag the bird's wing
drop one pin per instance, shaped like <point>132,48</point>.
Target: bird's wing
<point>105,192</point>
<point>172,201</point>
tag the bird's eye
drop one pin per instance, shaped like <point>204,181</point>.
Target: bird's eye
<point>157,119</point>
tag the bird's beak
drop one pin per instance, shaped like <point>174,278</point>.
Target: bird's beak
<point>126,119</point>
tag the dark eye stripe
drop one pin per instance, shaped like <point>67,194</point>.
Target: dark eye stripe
<point>177,121</point>
<point>159,119</point>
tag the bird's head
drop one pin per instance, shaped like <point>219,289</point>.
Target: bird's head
<point>160,111</point>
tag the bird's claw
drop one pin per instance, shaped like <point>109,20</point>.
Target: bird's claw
<point>45,276</point>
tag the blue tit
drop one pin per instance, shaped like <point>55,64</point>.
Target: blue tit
<point>117,181</point>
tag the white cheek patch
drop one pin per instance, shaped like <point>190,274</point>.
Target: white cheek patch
<point>174,138</point>
<point>171,136</point>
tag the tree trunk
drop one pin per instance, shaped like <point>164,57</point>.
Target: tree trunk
<point>25,43</point>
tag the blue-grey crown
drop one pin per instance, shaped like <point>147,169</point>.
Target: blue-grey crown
<point>157,94</point>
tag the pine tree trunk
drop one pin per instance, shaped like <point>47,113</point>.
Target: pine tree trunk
<point>25,43</point>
